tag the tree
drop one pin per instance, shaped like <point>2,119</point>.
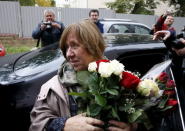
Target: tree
<point>24,2</point>
<point>45,2</point>
<point>133,6</point>
<point>27,2</point>
<point>179,6</point>
<point>33,2</point>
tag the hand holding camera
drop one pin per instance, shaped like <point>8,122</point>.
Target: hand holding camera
<point>46,25</point>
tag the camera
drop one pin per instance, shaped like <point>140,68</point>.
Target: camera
<point>48,24</point>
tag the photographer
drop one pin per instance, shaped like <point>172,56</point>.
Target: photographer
<point>49,30</point>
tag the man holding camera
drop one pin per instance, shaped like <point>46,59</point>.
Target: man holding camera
<point>49,30</point>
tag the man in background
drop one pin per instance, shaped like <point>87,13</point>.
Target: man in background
<point>94,16</point>
<point>163,27</point>
<point>48,30</point>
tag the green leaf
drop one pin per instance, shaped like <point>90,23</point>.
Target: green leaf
<point>146,121</point>
<point>134,116</point>
<point>115,87</point>
<point>94,110</point>
<point>83,78</point>
<point>93,81</point>
<point>113,91</point>
<point>83,94</point>
<point>100,100</point>
<point>166,108</point>
<point>162,103</point>
<point>115,114</point>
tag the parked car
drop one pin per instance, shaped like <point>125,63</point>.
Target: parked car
<point>21,79</point>
<point>124,26</point>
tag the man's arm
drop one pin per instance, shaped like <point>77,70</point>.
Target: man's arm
<point>38,30</point>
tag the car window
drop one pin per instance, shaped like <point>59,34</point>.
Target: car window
<point>141,29</point>
<point>119,28</point>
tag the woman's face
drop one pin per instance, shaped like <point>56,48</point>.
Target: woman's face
<point>76,54</point>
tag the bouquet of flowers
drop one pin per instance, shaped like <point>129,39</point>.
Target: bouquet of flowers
<point>111,92</point>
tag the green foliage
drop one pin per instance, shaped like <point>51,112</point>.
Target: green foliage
<point>27,2</point>
<point>133,6</point>
<point>179,6</point>
<point>17,46</point>
<point>45,3</point>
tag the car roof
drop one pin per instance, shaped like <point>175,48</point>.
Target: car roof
<point>121,20</point>
<point>108,22</point>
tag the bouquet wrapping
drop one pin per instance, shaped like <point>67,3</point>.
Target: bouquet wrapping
<point>110,92</point>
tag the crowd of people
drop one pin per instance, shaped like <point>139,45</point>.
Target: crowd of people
<point>49,30</point>
<point>82,43</point>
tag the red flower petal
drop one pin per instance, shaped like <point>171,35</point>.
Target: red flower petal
<point>163,77</point>
<point>170,84</point>
<point>129,80</point>
<point>172,102</point>
<point>169,92</point>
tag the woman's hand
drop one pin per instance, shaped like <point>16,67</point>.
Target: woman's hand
<point>82,123</point>
<point>121,126</point>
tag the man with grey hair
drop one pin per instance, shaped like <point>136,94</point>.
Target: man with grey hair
<point>48,30</point>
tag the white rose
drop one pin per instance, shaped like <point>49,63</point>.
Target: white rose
<point>92,67</point>
<point>148,87</point>
<point>104,69</point>
<point>116,67</point>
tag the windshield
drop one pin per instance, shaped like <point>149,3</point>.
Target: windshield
<point>38,61</point>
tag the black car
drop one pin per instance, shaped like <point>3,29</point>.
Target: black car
<point>22,77</point>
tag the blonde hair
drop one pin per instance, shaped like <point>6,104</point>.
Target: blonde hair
<point>88,34</point>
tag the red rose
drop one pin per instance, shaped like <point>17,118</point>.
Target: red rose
<point>163,77</point>
<point>129,80</point>
<point>169,92</point>
<point>170,84</point>
<point>172,102</point>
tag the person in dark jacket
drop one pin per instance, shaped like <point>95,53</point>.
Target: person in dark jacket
<point>49,30</point>
<point>94,16</point>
